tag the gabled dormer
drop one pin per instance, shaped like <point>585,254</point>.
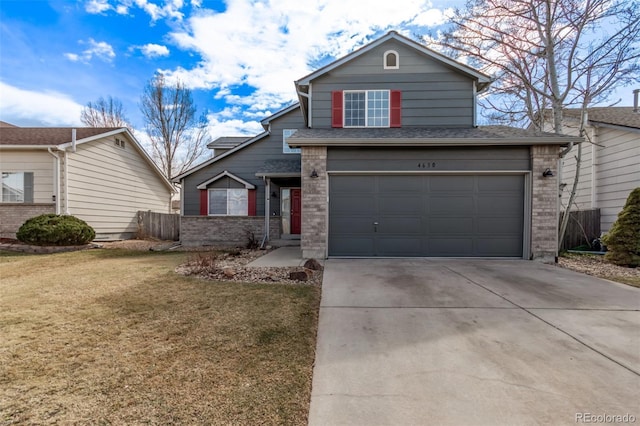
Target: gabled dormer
<point>391,82</point>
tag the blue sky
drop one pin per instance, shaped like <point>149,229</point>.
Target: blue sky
<point>240,57</point>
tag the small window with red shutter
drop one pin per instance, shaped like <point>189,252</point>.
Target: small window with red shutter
<point>366,108</point>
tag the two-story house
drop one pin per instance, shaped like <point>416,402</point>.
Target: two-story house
<point>382,156</point>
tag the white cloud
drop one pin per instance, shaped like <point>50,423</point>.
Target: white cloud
<point>267,45</point>
<point>221,125</point>
<point>98,49</point>
<point>97,6</point>
<point>152,50</point>
<point>47,108</point>
<point>171,9</point>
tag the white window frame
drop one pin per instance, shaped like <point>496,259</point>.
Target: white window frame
<point>286,149</point>
<point>366,108</point>
<point>245,211</point>
<point>391,67</point>
<point>24,189</point>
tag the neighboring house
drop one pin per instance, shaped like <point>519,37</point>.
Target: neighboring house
<point>382,157</point>
<point>610,167</point>
<point>100,175</point>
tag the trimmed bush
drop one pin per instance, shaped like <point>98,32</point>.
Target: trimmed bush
<point>55,230</point>
<point>623,240</point>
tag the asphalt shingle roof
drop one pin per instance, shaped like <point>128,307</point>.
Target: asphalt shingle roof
<point>619,116</point>
<point>39,136</point>
<point>484,132</point>
<point>227,142</point>
<point>279,167</point>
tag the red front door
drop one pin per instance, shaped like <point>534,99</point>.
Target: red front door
<point>296,218</point>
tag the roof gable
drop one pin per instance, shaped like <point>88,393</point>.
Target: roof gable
<point>226,173</point>
<point>50,136</point>
<point>482,79</point>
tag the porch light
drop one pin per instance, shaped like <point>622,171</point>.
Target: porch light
<point>547,173</point>
<point>274,194</point>
<point>313,174</point>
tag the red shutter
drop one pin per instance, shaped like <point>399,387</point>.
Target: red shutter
<point>204,202</point>
<point>396,109</point>
<point>252,202</point>
<point>336,108</point>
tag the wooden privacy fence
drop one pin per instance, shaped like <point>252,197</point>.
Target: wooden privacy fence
<point>582,229</point>
<point>163,226</point>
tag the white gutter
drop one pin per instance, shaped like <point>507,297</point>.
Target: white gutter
<point>56,187</point>
<point>66,183</point>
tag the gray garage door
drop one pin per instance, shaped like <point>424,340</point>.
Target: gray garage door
<point>457,215</point>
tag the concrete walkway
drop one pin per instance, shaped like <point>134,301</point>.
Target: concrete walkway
<point>471,342</point>
<point>283,256</point>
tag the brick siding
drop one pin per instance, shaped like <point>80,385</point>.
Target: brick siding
<point>225,230</point>
<point>544,204</point>
<point>314,203</point>
<point>13,215</point>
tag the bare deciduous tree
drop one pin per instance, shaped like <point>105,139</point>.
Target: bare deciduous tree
<point>547,55</point>
<point>177,137</point>
<point>104,113</point>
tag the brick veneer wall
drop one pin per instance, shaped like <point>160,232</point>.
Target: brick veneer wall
<point>13,215</point>
<point>314,203</point>
<point>544,204</point>
<point>225,230</point>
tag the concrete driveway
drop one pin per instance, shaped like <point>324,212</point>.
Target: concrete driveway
<point>473,342</point>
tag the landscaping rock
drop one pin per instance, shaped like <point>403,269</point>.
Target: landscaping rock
<point>229,272</point>
<point>303,275</point>
<point>313,264</point>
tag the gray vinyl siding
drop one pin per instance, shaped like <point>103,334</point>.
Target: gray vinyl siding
<point>244,164</point>
<point>432,94</point>
<point>429,159</point>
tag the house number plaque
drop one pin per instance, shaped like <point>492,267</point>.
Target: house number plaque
<point>427,165</point>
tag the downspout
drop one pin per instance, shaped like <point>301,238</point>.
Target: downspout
<point>66,183</point>
<point>56,188</point>
<point>266,212</point>
<point>594,146</point>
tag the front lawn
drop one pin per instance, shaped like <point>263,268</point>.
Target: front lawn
<point>116,337</point>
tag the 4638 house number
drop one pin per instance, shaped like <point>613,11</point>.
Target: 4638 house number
<point>427,165</point>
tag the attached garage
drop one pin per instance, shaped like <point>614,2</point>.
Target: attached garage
<point>448,212</point>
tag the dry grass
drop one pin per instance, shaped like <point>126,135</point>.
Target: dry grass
<point>116,337</point>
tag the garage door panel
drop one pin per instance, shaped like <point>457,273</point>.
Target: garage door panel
<point>447,204</point>
<point>450,246</point>
<point>354,205</point>
<point>397,246</point>
<point>353,225</point>
<point>496,246</point>
<point>511,184</point>
<point>450,184</point>
<point>499,206</point>
<point>400,184</point>
<point>352,185</point>
<point>400,205</point>
<point>351,246</point>
<point>499,226</point>
<point>450,225</point>
<point>426,215</point>
<point>400,225</point>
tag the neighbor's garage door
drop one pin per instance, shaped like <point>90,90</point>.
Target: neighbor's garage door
<point>420,215</point>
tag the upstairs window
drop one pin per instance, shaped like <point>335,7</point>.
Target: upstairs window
<point>367,108</point>
<point>285,146</point>
<point>16,187</point>
<point>391,60</point>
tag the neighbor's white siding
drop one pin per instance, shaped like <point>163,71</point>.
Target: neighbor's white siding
<point>606,179</point>
<point>108,184</point>
<point>40,162</point>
